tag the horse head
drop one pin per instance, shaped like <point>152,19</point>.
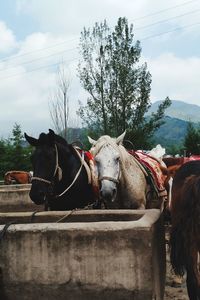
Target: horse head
<point>46,169</point>
<point>107,158</point>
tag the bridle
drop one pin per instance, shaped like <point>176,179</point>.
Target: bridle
<point>105,177</point>
<point>57,168</point>
<point>110,178</point>
<point>58,171</point>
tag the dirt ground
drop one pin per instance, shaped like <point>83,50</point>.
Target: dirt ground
<point>175,292</point>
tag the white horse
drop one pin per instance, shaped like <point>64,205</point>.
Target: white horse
<point>122,179</point>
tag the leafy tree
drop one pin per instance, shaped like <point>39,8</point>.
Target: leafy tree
<point>192,139</point>
<point>119,88</point>
<point>14,153</point>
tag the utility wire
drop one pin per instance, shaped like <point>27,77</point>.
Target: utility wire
<point>75,48</point>
<point>56,64</point>
<point>39,68</point>
<point>38,50</point>
<point>175,29</point>
<point>39,58</point>
<point>163,10</point>
<point>76,39</point>
<point>47,66</point>
<point>166,20</point>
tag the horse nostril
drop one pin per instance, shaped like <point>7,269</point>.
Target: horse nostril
<point>114,191</point>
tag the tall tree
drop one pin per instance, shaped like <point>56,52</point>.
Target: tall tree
<point>192,139</point>
<point>19,151</point>
<point>119,88</point>
<point>59,102</point>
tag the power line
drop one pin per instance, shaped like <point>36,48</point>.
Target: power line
<point>55,64</point>
<point>39,68</point>
<point>175,29</point>
<point>38,50</point>
<point>39,58</point>
<point>163,10</point>
<point>47,66</point>
<point>166,20</point>
<point>76,39</point>
<point>137,28</point>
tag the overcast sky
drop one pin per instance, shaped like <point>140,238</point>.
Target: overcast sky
<point>36,35</point>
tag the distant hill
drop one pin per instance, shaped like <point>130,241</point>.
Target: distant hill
<point>180,110</point>
<point>172,132</point>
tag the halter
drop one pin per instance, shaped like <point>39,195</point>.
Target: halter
<point>58,168</point>
<point>109,178</point>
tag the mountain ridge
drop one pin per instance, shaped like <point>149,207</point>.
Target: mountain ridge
<point>180,110</point>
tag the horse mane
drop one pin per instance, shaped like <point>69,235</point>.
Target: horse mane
<point>107,140</point>
<point>44,139</point>
<point>59,139</point>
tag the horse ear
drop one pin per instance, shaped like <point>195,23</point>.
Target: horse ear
<point>51,131</point>
<point>120,138</point>
<point>51,136</point>
<point>91,141</point>
<point>32,141</point>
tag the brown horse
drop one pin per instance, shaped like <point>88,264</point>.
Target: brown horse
<point>185,232</point>
<point>20,177</point>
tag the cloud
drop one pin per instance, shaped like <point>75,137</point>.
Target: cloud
<point>7,39</point>
<point>28,77</point>
<point>175,77</point>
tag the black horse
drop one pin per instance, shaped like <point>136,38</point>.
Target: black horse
<point>60,180</point>
<point>185,230</point>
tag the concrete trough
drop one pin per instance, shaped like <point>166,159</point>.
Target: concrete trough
<point>87,255</point>
<point>15,198</point>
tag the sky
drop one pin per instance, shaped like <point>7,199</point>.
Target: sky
<point>37,35</point>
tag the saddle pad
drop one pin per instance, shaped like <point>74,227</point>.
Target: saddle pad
<point>153,167</point>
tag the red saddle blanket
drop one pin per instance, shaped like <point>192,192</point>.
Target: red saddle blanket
<point>153,166</point>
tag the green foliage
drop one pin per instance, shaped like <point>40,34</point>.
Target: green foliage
<point>119,88</point>
<point>14,153</point>
<point>192,139</point>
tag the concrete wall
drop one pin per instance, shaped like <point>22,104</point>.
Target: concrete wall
<point>15,197</point>
<point>87,260</point>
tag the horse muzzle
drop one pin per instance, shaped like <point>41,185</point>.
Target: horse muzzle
<point>108,192</point>
<point>39,193</point>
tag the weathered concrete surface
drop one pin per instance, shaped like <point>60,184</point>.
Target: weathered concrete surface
<point>15,197</point>
<point>87,261</point>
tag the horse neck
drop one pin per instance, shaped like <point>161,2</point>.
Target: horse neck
<point>124,162</point>
<point>132,176</point>
<point>68,161</point>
